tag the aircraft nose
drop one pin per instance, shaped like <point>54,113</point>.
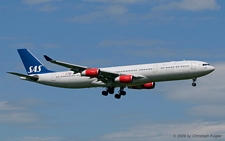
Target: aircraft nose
<point>212,68</point>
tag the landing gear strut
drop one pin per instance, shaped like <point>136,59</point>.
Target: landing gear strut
<point>194,84</point>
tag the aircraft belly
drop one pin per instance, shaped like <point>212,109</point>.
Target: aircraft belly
<point>68,82</point>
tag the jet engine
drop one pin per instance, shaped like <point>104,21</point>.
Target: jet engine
<point>150,85</point>
<point>124,79</point>
<point>91,72</point>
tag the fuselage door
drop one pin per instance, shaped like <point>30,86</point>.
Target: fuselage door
<point>53,77</point>
<point>155,68</point>
<point>193,66</point>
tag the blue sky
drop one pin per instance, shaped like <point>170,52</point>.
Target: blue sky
<point>101,33</point>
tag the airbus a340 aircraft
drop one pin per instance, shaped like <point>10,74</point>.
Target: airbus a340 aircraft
<point>141,76</point>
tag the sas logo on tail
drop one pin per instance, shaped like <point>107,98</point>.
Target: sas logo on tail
<point>35,69</point>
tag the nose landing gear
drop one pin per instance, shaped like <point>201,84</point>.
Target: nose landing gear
<point>194,84</point>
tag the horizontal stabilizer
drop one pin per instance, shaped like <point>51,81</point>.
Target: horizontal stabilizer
<point>25,77</point>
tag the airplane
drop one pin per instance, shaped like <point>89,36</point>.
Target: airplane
<point>141,76</point>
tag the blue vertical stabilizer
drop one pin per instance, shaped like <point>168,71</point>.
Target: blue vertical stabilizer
<point>31,63</point>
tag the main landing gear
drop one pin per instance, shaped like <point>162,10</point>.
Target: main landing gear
<point>120,92</point>
<point>110,90</point>
<point>194,84</point>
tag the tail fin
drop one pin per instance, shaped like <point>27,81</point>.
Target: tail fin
<point>31,63</point>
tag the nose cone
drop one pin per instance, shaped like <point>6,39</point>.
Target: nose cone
<point>211,68</point>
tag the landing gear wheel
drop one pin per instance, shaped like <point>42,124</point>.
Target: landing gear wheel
<point>110,90</point>
<point>123,93</point>
<point>117,96</point>
<point>193,84</point>
<point>105,93</point>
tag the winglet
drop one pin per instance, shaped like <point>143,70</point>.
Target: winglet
<point>48,58</point>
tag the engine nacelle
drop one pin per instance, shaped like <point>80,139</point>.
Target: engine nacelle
<point>124,79</point>
<point>150,85</point>
<point>91,72</point>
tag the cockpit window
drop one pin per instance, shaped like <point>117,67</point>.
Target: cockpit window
<point>205,64</point>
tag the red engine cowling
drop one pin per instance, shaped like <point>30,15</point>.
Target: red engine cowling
<point>91,72</point>
<point>150,85</point>
<point>124,79</point>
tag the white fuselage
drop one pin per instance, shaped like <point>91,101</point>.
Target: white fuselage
<point>157,72</point>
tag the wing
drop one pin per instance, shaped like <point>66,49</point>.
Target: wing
<point>25,77</point>
<point>104,76</point>
<point>73,67</point>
